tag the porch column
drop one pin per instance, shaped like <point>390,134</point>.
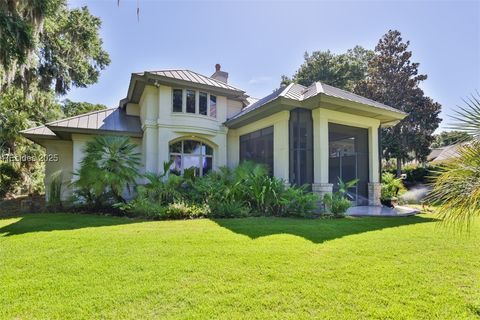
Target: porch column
<point>374,186</point>
<point>320,154</point>
<point>281,147</point>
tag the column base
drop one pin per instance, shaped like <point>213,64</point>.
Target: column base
<point>322,188</point>
<point>374,193</point>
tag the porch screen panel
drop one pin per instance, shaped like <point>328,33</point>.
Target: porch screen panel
<point>301,147</point>
<point>348,159</point>
<point>257,146</point>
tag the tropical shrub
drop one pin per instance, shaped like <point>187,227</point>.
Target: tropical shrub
<point>8,177</point>
<point>457,187</point>
<point>110,167</point>
<point>246,190</point>
<point>336,203</point>
<point>392,187</point>
<point>54,200</point>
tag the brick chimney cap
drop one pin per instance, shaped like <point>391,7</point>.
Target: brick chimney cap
<point>218,67</point>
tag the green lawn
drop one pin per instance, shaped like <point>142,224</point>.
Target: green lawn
<point>81,266</point>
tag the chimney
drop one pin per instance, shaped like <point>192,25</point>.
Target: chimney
<point>220,75</point>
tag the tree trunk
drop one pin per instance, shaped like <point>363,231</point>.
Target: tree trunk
<point>399,167</point>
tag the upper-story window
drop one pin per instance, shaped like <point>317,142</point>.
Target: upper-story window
<point>203,103</point>
<point>213,106</point>
<point>190,101</point>
<point>177,100</point>
<point>195,102</point>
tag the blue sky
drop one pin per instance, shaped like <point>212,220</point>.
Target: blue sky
<point>257,42</point>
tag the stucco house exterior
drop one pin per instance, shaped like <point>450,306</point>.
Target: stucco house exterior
<point>305,135</point>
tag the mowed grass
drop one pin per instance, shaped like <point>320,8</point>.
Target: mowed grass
<point>83,267</point>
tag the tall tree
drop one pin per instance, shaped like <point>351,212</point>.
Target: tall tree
<point>71,108</point>
<point>46,48</point>
<point>339,70</point>
<point>393,79</point>
<point>49,45</point>
<point>447,138</point>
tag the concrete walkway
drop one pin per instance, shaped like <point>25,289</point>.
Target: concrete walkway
<point>381,211</point>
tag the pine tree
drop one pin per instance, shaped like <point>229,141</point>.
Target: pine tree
<point>393,79</point>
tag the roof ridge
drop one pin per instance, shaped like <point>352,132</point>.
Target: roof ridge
<point>33,128</point>
<point>217,81</point>
<point>285,90</point>
<point>78,116</point>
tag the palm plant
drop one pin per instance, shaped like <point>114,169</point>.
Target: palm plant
<point>110,166</point>
<point>457,187</point>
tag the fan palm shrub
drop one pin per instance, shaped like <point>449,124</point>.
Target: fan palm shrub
<point>456,188</point>
<point>110,167</point>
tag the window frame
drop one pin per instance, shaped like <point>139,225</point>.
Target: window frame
<point>182,101</point>
<point>200,155</point>
<point>197,103</point>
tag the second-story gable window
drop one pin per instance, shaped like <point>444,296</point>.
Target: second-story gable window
<point>213,106</point>
<point>194,102</point>
<point>177,100</point>
<point>190,101</point>
<point>203,103</point>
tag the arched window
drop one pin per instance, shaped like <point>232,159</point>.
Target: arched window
<point>191,154</point>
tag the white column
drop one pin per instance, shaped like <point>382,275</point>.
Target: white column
<point>320,153</point>
<point>374,186</point>
<point>280,147</point>
<point>149,147</point>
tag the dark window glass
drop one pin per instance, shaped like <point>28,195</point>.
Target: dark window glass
<point>190,155</point>
<point>348,159</point>
<point>202,103</point>
<point>257,146</point>
<point>176,147</point>
<point>301,147</point>
<point>177,100</point>
<point>190,101</point>
<point>213,106</point>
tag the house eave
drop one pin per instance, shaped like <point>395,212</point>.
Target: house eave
<point>138,83</point>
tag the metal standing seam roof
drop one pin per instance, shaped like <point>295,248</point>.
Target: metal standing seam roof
<point>113,120</point>
<point>299,92</point>
<point>191,76</point>
<point>38,131</point>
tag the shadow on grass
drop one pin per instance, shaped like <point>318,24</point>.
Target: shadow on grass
<point>318,230</point>
<point>59,221</point>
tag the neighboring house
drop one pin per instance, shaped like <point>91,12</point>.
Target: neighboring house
<point>305,135</point>
<point>443,154</point>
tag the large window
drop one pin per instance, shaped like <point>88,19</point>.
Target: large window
<point>301,147</point>
<point>190,101</point>
<point>348,159</point>
<point>203,103</point>
<point>195,102</point>
<point>177,100</point>
<point>257,146</point>
<point>191,155</point>
<point>213,106</point>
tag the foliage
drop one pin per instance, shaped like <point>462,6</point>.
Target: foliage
<point>246,190</point>
<point>75,32</point>
<point>54,199</point>
<point>392,187</point>
<point>71,108</point>
<point>20,24</point>
<point>415,174</point>
<point>336,203</point>
<point>50,45</point>
<point>448,138</point>
<point>394,80</point>
<point>109,167</point>
<point>339,70</point>
<point>8,177</point>
<point>457,187</point>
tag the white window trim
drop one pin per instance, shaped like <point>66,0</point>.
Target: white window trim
<point>197,103</point>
